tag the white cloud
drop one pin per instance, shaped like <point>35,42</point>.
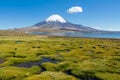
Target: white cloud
<point>75,9</point>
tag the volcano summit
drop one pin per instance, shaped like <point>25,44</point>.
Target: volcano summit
<point>55,18</point>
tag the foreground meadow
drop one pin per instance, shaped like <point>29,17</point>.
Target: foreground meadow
<point>59,58</point>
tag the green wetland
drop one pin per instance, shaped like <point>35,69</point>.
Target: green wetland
<point>59,58</point>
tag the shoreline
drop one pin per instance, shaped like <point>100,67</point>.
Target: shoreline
<point>52,36</point>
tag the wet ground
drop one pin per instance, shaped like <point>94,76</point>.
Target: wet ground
<point>45,59</point>
<point>1,60</point>
<point>35,63</point>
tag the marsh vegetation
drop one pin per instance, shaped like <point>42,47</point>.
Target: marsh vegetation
<point>59,58</point>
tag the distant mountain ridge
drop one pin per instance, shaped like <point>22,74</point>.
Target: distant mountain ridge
<point>13,33</point>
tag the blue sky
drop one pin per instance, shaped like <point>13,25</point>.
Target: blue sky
<point>100,14</point>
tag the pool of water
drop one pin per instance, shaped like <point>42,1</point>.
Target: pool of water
<point>35,63</point>
<point>1,60</point>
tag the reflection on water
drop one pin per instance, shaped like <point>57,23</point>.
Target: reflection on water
<point>35,63</point>
<point>78,34</point>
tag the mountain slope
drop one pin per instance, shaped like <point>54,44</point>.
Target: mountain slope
<point>62,26</point>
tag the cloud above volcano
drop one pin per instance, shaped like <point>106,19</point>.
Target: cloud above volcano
<point>75,9</point>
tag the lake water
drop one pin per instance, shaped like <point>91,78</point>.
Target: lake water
<point>78,34</point>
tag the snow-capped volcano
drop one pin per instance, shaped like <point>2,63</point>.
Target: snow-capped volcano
<point>56,23</point>
<point>56,18</point>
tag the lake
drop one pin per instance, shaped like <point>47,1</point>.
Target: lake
<point>78,34</point>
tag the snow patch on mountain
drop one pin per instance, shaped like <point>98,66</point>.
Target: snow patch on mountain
<point>56,18</point>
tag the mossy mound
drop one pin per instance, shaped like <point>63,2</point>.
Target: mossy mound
<point>48,75</point>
